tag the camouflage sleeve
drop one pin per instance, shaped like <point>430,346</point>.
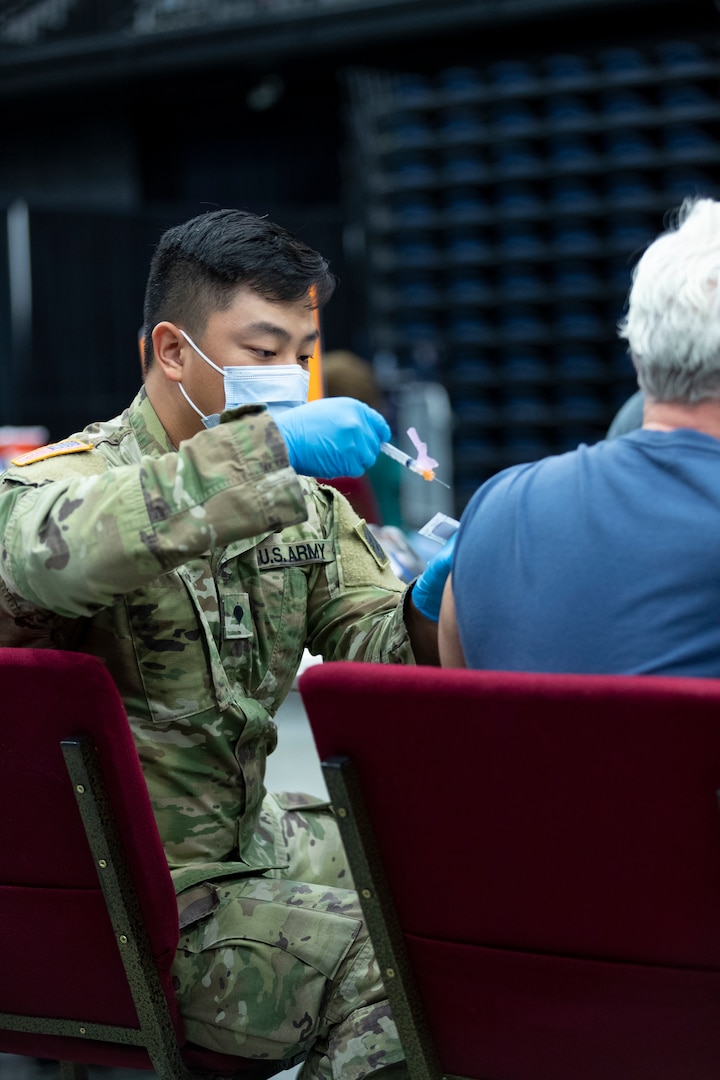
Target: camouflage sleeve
<point>73,543</point>
<point>356,602</point>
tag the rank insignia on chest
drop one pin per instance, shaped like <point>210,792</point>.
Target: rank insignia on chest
<point>276,556</point>
<point>41,453</point>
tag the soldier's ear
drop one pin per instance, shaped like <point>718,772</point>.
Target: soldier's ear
<point>168,349</point>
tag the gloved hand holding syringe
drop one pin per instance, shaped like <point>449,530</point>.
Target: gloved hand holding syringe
<point>423,465</point>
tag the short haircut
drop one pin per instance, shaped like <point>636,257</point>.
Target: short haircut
<point>672,324</point>
<point>197,268</point>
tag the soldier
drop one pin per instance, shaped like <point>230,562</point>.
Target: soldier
<point>187,545</point>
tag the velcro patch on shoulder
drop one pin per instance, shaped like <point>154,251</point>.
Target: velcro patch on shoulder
<point>68,446</point>
<point>372,544</point>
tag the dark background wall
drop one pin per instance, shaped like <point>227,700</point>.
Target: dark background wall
<point>113,127</point>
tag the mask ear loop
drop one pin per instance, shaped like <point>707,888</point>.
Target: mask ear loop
<point>189,400</point>
<point>192,345</point>
<point>207,360</point>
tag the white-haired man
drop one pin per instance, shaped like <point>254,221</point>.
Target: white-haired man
<point>606,559</point>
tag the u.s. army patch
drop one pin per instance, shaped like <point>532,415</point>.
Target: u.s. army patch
<point>372,543</point>
<point>68,446</point>
<point>274,556</point>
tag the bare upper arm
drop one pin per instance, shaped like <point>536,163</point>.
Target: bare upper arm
<point>451,654</point>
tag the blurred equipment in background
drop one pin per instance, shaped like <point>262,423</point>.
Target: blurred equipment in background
<point>15,441</point>
<point>426,407</point>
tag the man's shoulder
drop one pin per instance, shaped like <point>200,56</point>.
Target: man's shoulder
<point>516,481</point>
<point>76,456</point>
<point>73,445</point>
<point>86,453</point>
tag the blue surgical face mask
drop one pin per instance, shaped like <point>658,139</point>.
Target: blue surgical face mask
<point>279,386</point>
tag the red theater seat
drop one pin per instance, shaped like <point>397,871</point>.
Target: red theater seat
<point>88,916</point>
<point>538,858</point>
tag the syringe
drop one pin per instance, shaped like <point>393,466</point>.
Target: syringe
<point>409,463</point>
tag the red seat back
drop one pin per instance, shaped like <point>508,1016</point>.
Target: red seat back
<point>59,954</point>
<point>552,845</point>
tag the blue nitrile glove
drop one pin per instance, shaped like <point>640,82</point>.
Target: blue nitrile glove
<point>428,589</point>
<point>336,436</point>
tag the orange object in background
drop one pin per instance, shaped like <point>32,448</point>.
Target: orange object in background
<point>316,389</point>
<point>141,346</point>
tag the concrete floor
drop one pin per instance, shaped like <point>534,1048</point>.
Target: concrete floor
<point>293,767</point>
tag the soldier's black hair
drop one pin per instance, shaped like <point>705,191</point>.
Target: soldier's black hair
<point>198,266</point>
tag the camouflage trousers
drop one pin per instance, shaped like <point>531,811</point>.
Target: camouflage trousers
<point>282,967</point>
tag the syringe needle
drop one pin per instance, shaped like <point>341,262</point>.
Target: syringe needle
<point>409,462</point>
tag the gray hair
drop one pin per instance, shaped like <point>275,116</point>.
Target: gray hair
<point>672,324</point>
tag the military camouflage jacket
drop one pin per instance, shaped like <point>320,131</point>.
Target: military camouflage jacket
<point>199,576</point>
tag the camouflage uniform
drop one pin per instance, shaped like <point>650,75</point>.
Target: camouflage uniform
<point>199,576</point>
